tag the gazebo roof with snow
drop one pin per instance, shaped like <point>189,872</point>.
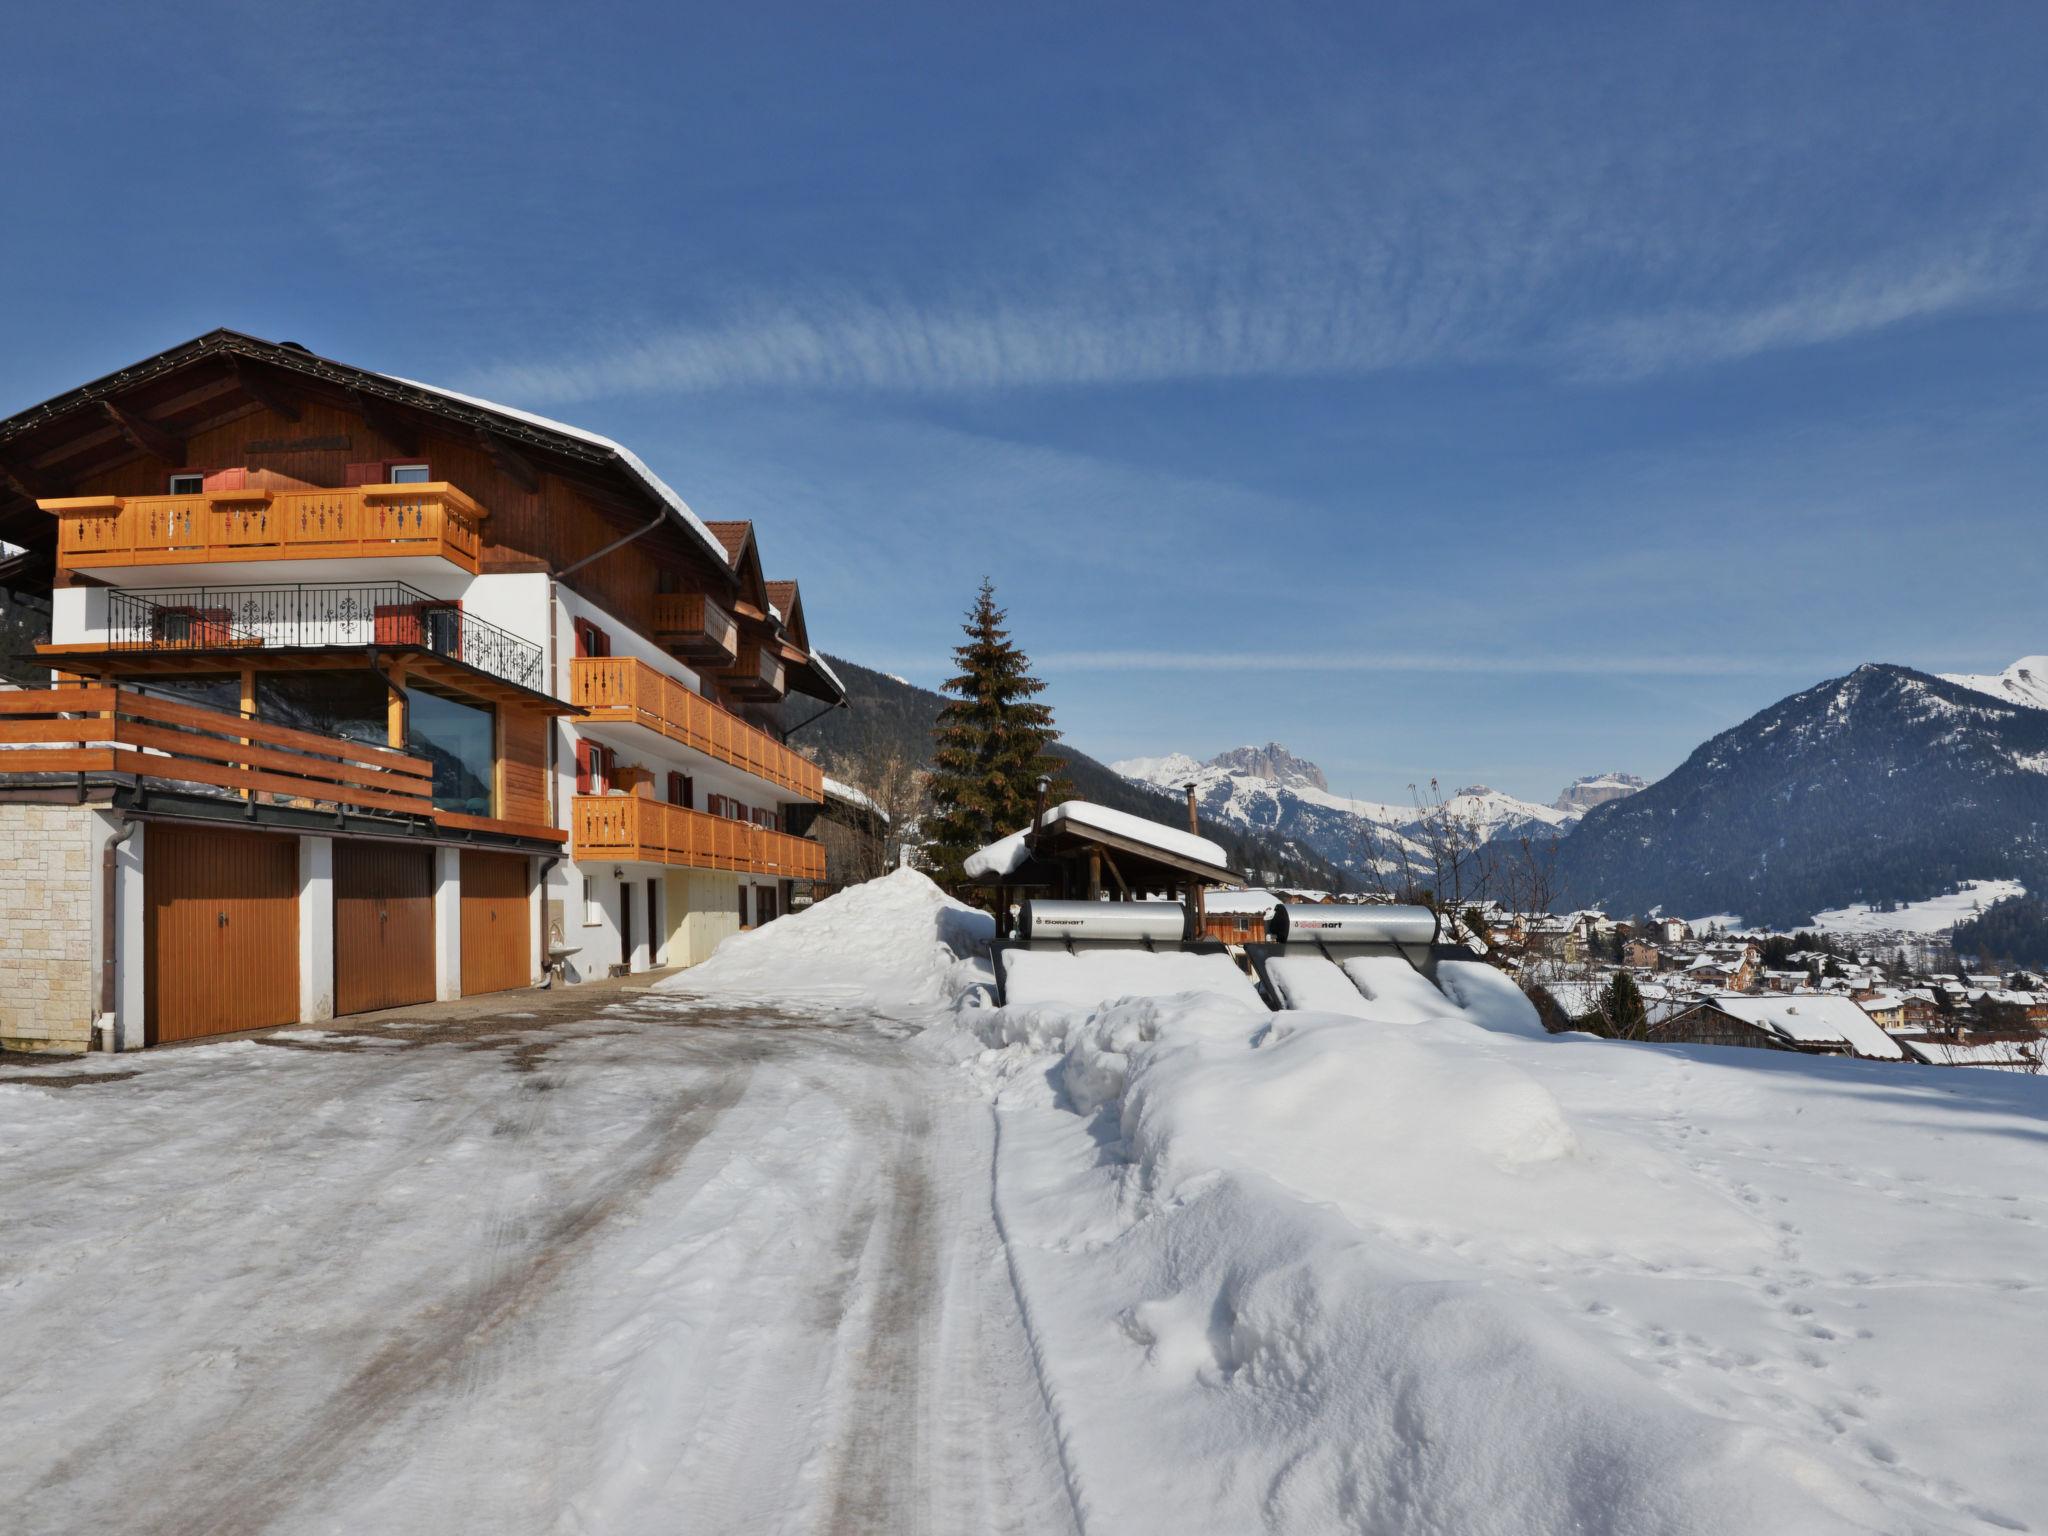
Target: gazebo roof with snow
<point>1072,847</point>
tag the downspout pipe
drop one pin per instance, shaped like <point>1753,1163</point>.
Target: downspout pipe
<point>107,1028</point>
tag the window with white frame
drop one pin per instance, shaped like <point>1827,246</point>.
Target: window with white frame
<point>409,474</point>
<point>187,485</point>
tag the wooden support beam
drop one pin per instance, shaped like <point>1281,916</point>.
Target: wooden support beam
<point>508,459</point>
<point>264,389</point>
<point>26,480</point>
<point>146,436</point>
<point>387,421</point>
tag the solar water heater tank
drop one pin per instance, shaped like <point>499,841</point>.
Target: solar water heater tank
<point>1309,924</point>
<point>1112,922</point>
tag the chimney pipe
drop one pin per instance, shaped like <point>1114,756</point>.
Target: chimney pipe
<point>1194,821</point>
<point>1031,837</point>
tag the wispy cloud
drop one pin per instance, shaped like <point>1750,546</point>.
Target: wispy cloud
<point>1529,663</point>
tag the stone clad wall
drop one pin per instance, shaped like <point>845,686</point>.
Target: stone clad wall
<point>47,964</point>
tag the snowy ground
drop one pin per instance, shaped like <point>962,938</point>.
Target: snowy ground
<point>898,1260</point>
<point>663,1268</point>
<point>1937,914</point>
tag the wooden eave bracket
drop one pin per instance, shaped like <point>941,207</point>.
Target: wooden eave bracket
<point>513,463</point>
<point>145,436</point>
<point>385,420</point>
<point>265,390</point>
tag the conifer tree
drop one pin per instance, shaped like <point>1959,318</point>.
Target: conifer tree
<point>990,743</point>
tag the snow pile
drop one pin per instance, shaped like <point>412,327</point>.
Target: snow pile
<point>1310,981</point>
<point>894,944</point>
<point>1438,1271</point>
<point>1035,978</point>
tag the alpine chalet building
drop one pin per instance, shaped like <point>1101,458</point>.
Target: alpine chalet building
<point>361,693</point>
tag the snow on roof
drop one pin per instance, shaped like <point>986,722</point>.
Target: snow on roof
<point>2024,1054</point>
<point>1814,1018</point>
<point>1006,855</point>
<point>630,459</point>
<point>1230,903</point>
<point>852,796</point>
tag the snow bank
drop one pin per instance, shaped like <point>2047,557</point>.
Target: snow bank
<point>1310,981</point>
<point>1329,1271</point>
<point>1036,978</point>
<point>1395,990</point>
<point>897,944</point>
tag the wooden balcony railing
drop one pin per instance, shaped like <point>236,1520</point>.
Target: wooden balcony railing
<point>756,673</point>
<point>636,829</point>
<point>110,729</point>
<point>626,690</point>
<point>696,628</point>
<point>97,532</point>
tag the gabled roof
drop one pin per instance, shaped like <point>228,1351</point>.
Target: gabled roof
<point>789,607</point>
<point>743,556</point>
<point>48,447</point>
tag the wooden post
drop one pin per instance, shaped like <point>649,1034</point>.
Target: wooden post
<point>248,713</point>
<point>394,709</point>
<point>1095,874</point>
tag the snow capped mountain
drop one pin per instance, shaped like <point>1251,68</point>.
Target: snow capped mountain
<point>1490,814</point>
<point>1884,785</point>
<point>1581,795</point>
<point>2024,682</point>
<point>1269,789</point>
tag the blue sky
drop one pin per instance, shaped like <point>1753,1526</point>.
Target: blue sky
<point>1488,391</point>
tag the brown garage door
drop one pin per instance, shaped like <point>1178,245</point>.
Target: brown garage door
<point>383,926</point>
<point>497,937</point>
<point>221,930</point>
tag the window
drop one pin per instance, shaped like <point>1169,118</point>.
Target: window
<point>354,705</point>
<point>458,740</point>
<point>189,483</point>
<point>593,905</point>
<point>408,474</point>
<point>590,640</point>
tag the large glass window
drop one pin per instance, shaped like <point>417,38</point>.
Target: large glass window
<point>456,739</point>
<point>206,692</point>
<point>352,704</point>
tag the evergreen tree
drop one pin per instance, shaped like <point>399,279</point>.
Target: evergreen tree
<point>1621,1008</point>
<point>990,743</point>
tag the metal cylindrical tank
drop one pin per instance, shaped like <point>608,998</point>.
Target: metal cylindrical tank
<point>1125,922</point>
<point>1352,925</point>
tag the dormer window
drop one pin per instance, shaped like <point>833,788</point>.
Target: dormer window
<point>409,474</point>
<point>189,484</point>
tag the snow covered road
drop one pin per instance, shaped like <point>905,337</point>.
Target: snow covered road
<point>661,1267</point>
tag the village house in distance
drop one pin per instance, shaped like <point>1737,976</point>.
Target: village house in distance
<point>362,694</point>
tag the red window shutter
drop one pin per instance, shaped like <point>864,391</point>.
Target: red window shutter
<point>363,474</point>
<point>397,623</point>
<point>582,637</point>
<point>600,642</point>
<point>583,768</point>
<point>675,787</point>
<point>611,769</point>
<point>227,480</point>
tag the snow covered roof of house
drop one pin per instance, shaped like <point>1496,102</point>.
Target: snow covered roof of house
<point>835,790</point>
<point>1984,1053</point>
<point>658,487</point>
<point>1814,1019</point>
<point>1006,855</point>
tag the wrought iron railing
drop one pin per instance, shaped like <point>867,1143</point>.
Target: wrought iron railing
<point>385,613</point>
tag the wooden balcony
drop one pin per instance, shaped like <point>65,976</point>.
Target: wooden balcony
<point>624,690</point>
<point>106,729</point>
<point>109,729</point>
<point>696,628</point>
<point>639,830</point>
<point>756,674</point>
<point>108,532</point>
